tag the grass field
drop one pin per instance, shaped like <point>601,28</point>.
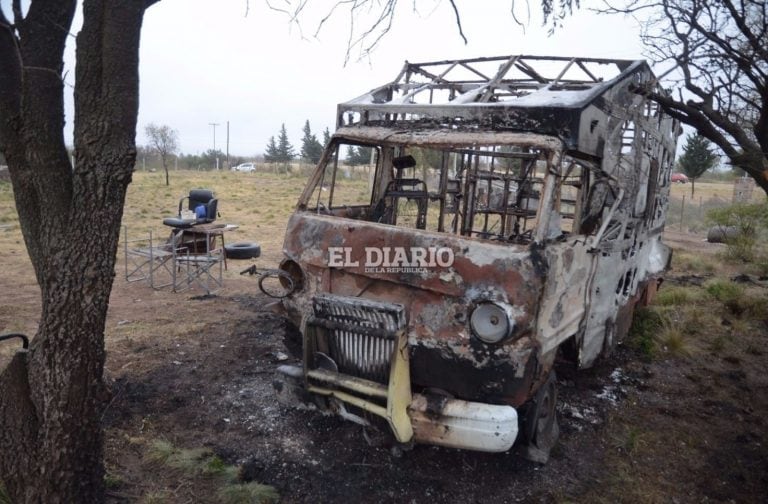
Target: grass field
<point>193,405</point>
<point>260,203</point>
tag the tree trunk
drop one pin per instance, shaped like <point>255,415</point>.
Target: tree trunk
<point>693,185</point>
<point>52,397</point>
<point>165,167</point>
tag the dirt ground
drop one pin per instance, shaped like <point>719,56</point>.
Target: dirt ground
<point>633,430</point>
<point>668,429</point>
<point>197,371</point>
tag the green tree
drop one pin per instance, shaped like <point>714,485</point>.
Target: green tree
<point>272,153</point>
<point>697,158</point>
<point>358,155</point>
<point>210,158</point>
<point>311,149</point>
<point>285,150</point>
<point>326,137</point>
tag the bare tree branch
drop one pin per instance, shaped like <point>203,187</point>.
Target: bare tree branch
<point>18,18</point>
<point>458,20</point>
<point>720,59</point>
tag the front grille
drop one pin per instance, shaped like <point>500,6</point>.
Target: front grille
<point>360,334</point>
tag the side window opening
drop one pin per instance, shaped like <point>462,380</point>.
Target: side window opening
<point>570,196</point>
<point>503,186</point>
<point>491,192</point>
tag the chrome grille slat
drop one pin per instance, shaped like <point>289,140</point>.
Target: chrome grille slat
<point>365,353</point>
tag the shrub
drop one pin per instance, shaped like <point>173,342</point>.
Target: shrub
<point>646,325</point>
<point>674,296</point>
<point>694,263</point>
<point>749,220</point>
<point>724,290</point>
<point>730,294</point>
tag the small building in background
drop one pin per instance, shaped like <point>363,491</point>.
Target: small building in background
<point>742,189</point>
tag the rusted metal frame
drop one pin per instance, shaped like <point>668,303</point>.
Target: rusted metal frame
<point>513,155</point>
<point>505,207</point>
<point>428,85</point>
<point>546,200</point>
<point>497,78</point>
<point>474,70</point>
<point>468,195</point>
<point>586,70</point>
<point>488,201</point>
<point>562,181</point>
<point>524,57</point>
<point>317,177</point>
<point>418,69</point>
<point>333,177</point>
<point>528,171</point>
<point>581,196</point>
<point>607,219</point>
<point>438,112</point>
<point>560,75</point>
<point>526,69</point>
<point>443,191</point>
<point>525,174</point>
<point>474,166</point>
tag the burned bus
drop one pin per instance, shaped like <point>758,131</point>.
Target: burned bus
<point>468,223</point>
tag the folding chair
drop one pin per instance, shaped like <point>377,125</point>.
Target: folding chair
<point>146,261</point>
<point>204,268</point>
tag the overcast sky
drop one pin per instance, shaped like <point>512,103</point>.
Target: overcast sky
<point>207,62</point>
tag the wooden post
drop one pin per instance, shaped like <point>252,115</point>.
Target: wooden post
<point>682,213</point>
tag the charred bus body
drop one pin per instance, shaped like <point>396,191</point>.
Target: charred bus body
<point>512,208</point>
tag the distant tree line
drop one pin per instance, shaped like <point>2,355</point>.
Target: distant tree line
<point>358,155</point>
<point>281,150</point>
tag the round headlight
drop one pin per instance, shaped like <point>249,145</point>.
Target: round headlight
<point>491,323</point>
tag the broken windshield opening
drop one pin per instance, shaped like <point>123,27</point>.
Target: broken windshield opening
<point>491,192</point>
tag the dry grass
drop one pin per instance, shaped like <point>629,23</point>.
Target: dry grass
<point>260,203</point>
<point>692,210</point>
<point>691,262</point>
<point>704,191</point>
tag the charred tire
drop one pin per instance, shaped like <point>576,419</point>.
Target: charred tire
<point>242,250</point>
<point>540,428</point>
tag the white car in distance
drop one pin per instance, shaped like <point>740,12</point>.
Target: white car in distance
<point>245,167</point>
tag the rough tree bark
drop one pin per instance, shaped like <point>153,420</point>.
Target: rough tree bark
<point>52,397</point>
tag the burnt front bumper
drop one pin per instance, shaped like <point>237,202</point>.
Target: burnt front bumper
<point>432,420</point>
<point>356,355</point>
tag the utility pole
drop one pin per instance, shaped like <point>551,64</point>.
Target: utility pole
<point>229,166</point>
<point>214,143</point>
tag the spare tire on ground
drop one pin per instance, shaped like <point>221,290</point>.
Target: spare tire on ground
<point>242,250</point>
<point>721,234</point>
